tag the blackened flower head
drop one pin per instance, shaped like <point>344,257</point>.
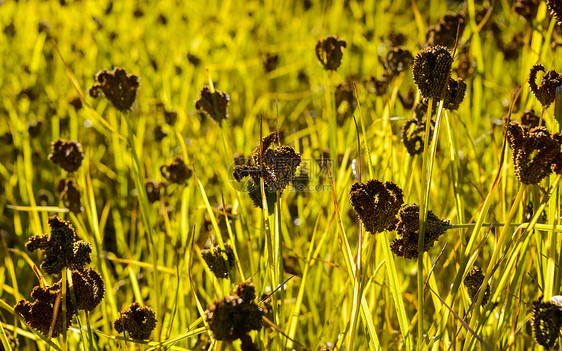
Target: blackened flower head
<point>118,87</point>
<point>40,313</point>
<point>345,98</point>
<point>527,8</point>
<point>454,94</point>
<point>378,86</point>
<point>153,190</point>
<point>398,60</point>
<point>254,191</point>
<point>213,104</point>
<point>67,154</point>
<point>413,134</point>
<point>61,247</point>
<point>529,119</point>
<point>270,62</point>
<point>431,71</point>
<point>276,166</point>
<point>69,194</point>
<point>376,203</point>
<point>408,227</point>
<point>547,321</point>
<point>234,316</point>
<point>445,31</point>
<point>139,321</point>
<point>214,259</point>
<point>545,92</point>
<point>176,172</point>
<point>535,152</point>
<point>89,288</point>
<point>473,281</point>
<point>555,7</point>
<point>329,52</point>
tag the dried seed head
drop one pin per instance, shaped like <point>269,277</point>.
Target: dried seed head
<point>527,8</point>
<point>376,204</point>
<point>407,100</point>
<point>378,86</point>
<point>89,288</point>
<point>254,191</point>
<point>176,172</point>
<point>69,194</point>
<point>153,190</point>
<point>276,166</point>
<point>61,247</point>
<point>234,316</point>
<point>431,71</point>
<point>329,52</point>
<point>216,262</point>
<point>535,152</point>
<point>213,104</point>
<point>465,65</point>
<point>454,94</point>
<point>170,117</point>
<point>270,62</point>
<point>139,321</point>
<point>473,281</point>
<point>547,321</point>
<point>529,119</point>
<point>76,103</point>
<point>34,127</point>
<point>545,92</point>
<point>406,244</point>
<point>345,99</point>
<point>67,154</point>
<point>555,7</point>
<point>246,291</point>
<point>39,314</point>
<point>445,32</point>
<point>398,60</point>
<point>118,87</point>
<point>413,135</point>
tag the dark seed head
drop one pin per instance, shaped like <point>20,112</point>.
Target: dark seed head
<point>215,261</point>
<point>118,87</point>
<point>406,244</point>
<point>545,92</point>
<point>473,281</point>
<point>213,104</point>
<point>139,321</point>
<point>176,172</point>
<point>376,203</point>
<point>431,71</point>
<point>329,52</point>
<point>67,154</point>
<point>547,321</point>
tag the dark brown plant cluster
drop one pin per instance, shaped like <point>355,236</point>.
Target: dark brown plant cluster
<point>527,8</point>
<point>408,227</point>
<point>446,30</point>
<point>67,154</point>
<point>137,320</point>
<point>545,92</point>
<point>118,87</point>
<point>547,322</point>
<point>473,281</point>
<point>154,189</point>
<point>213,103</point>
<point>345,100</point>
<point>61,246</point>
<point>329,52</point>
<point>536,152</point>
<point>413,134</point>
<point>376,203</point>
<point>431,70</point>
<point>277,167</point>
<point>397,60</point>
<point>234,316</point>
<point>62,251</point>
<point>219,261</point>
<point>176,172</point>
<point>69,194</point>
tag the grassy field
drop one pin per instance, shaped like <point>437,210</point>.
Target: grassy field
<point>159,206</point>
